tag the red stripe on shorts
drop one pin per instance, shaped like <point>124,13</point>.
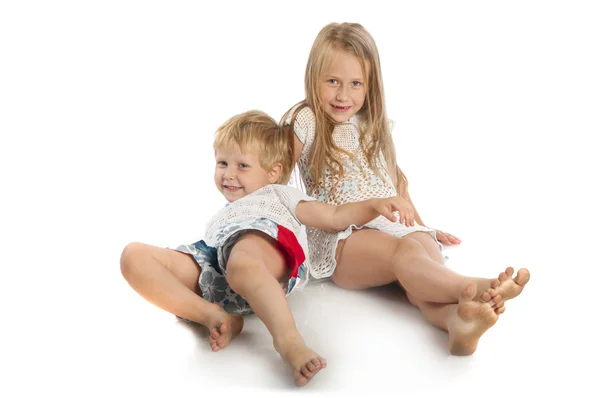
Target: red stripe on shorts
<point>291,249</point>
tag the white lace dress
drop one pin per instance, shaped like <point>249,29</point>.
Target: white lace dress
<point>359,183</point>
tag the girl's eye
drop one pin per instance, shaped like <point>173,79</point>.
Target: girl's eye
<point>356,84</point>
<point>332,81</point>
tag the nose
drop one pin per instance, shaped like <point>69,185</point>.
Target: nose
<point>229,173</point>
<point>342,94</point>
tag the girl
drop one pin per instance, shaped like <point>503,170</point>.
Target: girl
<point>250,258</point>
<point>345,153</point>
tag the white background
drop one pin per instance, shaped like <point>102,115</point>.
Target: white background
<point>107,112</point>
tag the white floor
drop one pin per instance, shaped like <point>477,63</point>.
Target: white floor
<point>106,120</point>
<point>87,333</point>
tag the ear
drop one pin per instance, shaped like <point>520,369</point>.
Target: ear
<point>275,173</point>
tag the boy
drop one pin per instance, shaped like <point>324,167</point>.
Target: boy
<point>250,258</point>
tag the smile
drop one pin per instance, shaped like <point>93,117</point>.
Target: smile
<point>341,109</point>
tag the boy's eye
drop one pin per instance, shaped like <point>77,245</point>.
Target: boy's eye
<point>221,163</point>
<point>243,165</point>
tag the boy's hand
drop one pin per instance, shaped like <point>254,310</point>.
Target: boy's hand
<point>387,206</point>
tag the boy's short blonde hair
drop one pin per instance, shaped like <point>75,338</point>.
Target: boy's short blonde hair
<point>255,131</point>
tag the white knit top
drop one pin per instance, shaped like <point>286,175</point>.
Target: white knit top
<point>274,202</point>
<point>359,183</point>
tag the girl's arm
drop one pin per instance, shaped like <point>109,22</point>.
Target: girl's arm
<point>298,145</point>
<point>338,218</point>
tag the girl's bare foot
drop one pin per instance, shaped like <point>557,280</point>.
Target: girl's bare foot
<point>510,288</point>
<point>472,319</point>
<point>223,328</point>
<point>303,361</point>
<point>495,300</point>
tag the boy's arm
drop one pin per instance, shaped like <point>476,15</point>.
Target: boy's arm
<point>337,218</point>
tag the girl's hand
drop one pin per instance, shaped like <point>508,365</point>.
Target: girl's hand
<point>387,206</point>
<point>446,239</point>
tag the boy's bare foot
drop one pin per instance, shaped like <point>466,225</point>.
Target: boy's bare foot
<point>510,288</point>
<point>472,319</point>
<point>223,328</point>
<point>303,361</point>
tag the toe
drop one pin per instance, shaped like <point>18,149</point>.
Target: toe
<point>510,271</point>
<point>522,277</point>
<point>300,380</point>
<point>305,372</point>
<point>485,297</point>
<point>469,292</point>
<point>496,301</point>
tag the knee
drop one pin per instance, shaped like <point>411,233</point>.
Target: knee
<point>130,258</point>
<point>240,269</point>
<point>407,249</point>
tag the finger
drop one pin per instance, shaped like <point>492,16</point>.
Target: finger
<point>442,238</point>
<point>453,239</point>
<point>387,213</point>
<point>407,219</point>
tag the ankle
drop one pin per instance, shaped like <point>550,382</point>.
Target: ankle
<point>286,339</point>
<point>209,313</point>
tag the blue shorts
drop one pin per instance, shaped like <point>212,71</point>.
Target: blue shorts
<point>212,261</point>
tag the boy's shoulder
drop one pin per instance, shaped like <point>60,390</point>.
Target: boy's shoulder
<point>288,194</point>
<point>280,189</point>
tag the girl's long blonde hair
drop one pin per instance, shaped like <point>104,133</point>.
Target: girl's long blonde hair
<point>375,134</point>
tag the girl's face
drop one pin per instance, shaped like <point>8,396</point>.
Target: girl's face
<point>342,88</point>
<point>238,174</point>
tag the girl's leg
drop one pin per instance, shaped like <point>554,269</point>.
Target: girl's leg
<point>254,269</point>
<point>466,321</point>
<point>369,258</point>
<point>169,280</point>
<point>504,285</point>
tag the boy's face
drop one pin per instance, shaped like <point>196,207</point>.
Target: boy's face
<point>342,89</point>
<point>238,174</point>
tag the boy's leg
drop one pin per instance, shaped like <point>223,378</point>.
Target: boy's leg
<point>169,280</point>
<point>254,269</point>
